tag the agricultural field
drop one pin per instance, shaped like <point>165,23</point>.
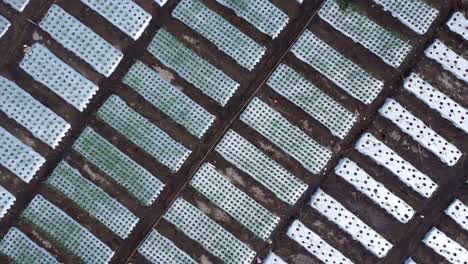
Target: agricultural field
<point>234,131</point>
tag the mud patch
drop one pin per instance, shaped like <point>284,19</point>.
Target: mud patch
<point>190,40</point>
<point>91,173</point>
<point>216,213</point>
<point>165,74</point>
<point>234,177</point>
<point>36,36</point>
<point>270,149</point>
<point>205,260</point>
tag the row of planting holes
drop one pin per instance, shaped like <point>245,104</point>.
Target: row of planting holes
<point>43,123</point>
<point>40,63</point>
<point>33,65</point>
<point>442,244</point>
<point>403,211</point>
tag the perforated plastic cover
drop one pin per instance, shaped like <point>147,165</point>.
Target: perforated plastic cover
<point>92,199</point>
<point>362,30</point>
<point>272,258</point>
<point>169,99</point>
<point>375,190</point>
<point>139,182</point>
<point>158,249</point>
<point>445,246</point>
<point>449,60</point>
<point>236,203</point>
<point>66,231</point>
<point>407,173</point>
<point>338,214</point>
<point>30,113</point>
<point>420,132</point>
<point>124,14</point>
<point>448,108</point>
<point>459,24</point>
<point>210,235</point>
<point>219,31</point>
<point>415,14</point>
<point>18,5</point>
<point>264,15</point>
<point>63,80</point>
<point>4,25</point>
<point>340,70</point>
<point>210,80</point>
<point>315,244</point>
<point>21,249</point>
<point>316,103</point>
<point>288,137</point>
<point>81,40</point>
<point>20,159</point>
<point>6,201</point>
<point>143,133</point>
<point>458,211</point>
<point>245,156</point>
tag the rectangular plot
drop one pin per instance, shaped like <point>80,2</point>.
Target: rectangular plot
<point>62,79</point>
<point>199,227</point>
<point>245,156</point>
<point>315,244</point>
<point>294,87</point>
<point>363,30</point>
<point>351,224</point>
<point>6,201</point>
<point>210,80</point>
<point>4,25</point>
<point>124,14</point>
<point>448,59</point>
<point>92,199</point>
<point>415,14</point>
<point>340,70</point>
<point>445,246</point>
<point>159,249</point>
<point>375,190</point>
<point>420,132</point>
<point>42,122</point>
<point>458,211</point>
<point>215,28</point>
<point>236,203</point>
<point>139,182</point>
<point>264,15</point>
<point>288,137</point>
<point>21,249</point>
<point>18,5</point>
<point>19,158</point>
<point>169,99</point>
<point>407,173</point>
<point>459,24</point>
<point>65,231</point>
<point>81,40</point>
<point>143,133</point>
<point>448,108</point>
